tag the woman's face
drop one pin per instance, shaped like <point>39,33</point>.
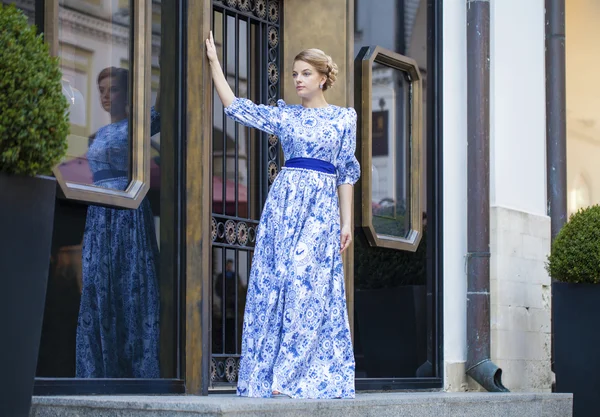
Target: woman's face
<point>306,79</point>
<point>112,97</point>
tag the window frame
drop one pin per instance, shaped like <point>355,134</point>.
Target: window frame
<point>181,161</point>
<point>139,127</point>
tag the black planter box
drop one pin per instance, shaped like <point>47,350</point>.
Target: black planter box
<point>26,222</point>
<point>575,316</point>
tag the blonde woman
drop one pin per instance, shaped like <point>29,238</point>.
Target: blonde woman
<point>296,337</point>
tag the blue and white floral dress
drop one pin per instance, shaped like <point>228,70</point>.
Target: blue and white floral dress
<point>296,336</point>
<point>118,326</point>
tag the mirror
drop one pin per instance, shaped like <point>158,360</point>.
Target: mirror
<point>391,139</point>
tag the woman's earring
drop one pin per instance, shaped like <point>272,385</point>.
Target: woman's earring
<point>321,86</point>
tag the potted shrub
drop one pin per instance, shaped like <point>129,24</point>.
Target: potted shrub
<point>574,265</point>
<point>33,130</point>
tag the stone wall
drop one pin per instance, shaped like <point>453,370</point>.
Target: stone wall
<point>520,299</point>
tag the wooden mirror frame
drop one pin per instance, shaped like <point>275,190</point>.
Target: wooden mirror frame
<point>367,56</point>
<point>139,127</point>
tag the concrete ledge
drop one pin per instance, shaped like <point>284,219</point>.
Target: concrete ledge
<point>365,405</point>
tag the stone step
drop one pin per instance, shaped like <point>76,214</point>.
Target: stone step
<point>425,404</point>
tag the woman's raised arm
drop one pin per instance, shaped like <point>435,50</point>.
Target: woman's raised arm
<point>223,90</point>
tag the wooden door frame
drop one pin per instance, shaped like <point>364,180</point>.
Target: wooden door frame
<point>197,127</point>
<point>173,129</point>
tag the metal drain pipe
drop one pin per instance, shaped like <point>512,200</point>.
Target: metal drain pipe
<point>556,124</point>
<point>556,142</point>
<point>479,366</point>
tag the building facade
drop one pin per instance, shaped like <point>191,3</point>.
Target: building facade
<point>403,66</point>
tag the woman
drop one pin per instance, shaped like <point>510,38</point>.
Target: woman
<point>296,337</point>
<point>117,330</point>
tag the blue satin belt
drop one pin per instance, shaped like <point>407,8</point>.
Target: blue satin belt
<point>311,163</point>
<point>106,174</point>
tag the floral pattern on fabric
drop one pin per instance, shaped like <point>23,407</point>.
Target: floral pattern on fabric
<point>118,325</point>
<point>296,335</point>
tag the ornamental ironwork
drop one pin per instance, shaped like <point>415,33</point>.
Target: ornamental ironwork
<point>245,164</point>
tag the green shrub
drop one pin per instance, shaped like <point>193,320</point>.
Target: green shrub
<point>575,254</point>
<point>33,119</point>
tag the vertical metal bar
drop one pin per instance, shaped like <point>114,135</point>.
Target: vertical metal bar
<point>261,136</point>
<point>237,93</point>
<point>236,276</point>
<point>248,132</point>
<point>224,162</point>
<point>225,41</point>
<point>223,297</point>
<point>179,187</point>
<point>213,117</point>
<point>556,142</point>
<point>265,100</point>
<point>279,149</point>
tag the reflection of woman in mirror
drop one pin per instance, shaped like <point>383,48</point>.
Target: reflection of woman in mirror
<point>118,332</point>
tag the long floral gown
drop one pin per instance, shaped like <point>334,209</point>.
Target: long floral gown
<point>118,325</point>
<point>296,336</point>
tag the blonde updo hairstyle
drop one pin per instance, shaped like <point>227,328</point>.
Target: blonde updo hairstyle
<point>322,63</point>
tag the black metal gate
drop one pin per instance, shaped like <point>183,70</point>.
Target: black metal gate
<point>245,162</point>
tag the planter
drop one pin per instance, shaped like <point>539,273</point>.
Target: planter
<point>26,223</point>
<point>575,315</point>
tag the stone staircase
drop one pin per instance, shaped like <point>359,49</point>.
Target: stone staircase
<point>421,404</point>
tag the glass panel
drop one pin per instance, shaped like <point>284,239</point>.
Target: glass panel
<point>242,142</point>
<point>243,274</point>
<point>163,208</point>
<point>392,313</point>
<point>96,83</point>
<point>28,7</point>
<point>217,306</point>
<point>104,313</point>
<point>227,281</point>
<point>229,296</point>
<point>255,191</point>
<point>390,169</point>
<point>231,63</point>
<point>218,130</point>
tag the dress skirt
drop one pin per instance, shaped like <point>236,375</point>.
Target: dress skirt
<point>118,327</point>
<point>296,335</point>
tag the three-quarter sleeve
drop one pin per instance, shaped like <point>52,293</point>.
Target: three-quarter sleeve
<point>259,116</point>
<point>348,168</point>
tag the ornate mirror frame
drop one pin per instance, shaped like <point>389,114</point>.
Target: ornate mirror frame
<point>367,56</point>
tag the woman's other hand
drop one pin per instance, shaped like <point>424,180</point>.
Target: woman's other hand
<point>346,237</point>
